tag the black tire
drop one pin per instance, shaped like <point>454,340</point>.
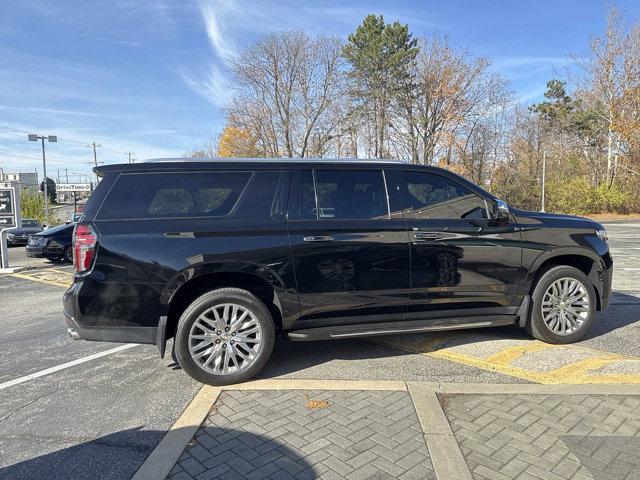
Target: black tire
<point>536,325</point>
<point>205,302</point>
<point>68,254</point>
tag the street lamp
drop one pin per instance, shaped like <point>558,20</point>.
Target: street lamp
<point>50,138</point>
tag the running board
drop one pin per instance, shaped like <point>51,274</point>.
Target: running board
<point>392,328</point>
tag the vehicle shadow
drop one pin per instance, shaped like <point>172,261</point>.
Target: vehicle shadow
<point>290,357</point>
<point>623,310</point>
<point>119,455</point>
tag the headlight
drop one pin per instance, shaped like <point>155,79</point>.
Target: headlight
<point>602,234</point>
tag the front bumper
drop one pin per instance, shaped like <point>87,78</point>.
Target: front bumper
<point>35,251</point>
<point>602,278</point>
<point>16,240</point>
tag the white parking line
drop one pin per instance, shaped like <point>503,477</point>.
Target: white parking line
<point>63,366</point>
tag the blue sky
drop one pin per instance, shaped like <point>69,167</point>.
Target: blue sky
<point>150,77</point>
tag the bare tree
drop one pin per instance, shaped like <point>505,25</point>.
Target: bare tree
<point>611,80</point>
<point>455,104</point>
<point>289,92</point>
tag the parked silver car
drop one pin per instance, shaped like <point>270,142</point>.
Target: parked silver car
<point>19,236</point>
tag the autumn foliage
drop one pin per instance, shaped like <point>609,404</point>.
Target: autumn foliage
<point>383,93</point>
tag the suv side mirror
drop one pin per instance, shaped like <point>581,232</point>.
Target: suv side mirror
<point>501,212</point>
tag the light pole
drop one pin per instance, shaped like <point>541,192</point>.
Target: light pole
<point>50,138</point>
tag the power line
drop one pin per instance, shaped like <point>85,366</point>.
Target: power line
<point>34,155</point>
<point>66,140</point>
<point>63,140</point>
<point>14,129</point>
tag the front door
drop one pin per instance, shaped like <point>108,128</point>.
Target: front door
<point>350,246</point>
<point>461,259</point>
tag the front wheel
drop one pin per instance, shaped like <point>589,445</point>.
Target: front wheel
<point>224,337</point>
<point>564,306</point>
<point>68,254</point>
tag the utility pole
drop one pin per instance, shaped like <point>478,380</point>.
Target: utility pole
<point>129,154</point>
<point>50,138</point>
<point>95,157</point>
<point>66,174</point>
<point>544,171</point>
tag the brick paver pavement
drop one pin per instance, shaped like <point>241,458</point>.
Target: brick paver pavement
<point>285,434</point>
<point>551,437</point>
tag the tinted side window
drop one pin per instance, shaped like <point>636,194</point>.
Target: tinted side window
<point>157,195</point>
<point>436,197</point>
<point>344,195</point>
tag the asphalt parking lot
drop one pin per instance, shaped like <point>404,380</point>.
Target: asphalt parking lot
<point>97,410</point>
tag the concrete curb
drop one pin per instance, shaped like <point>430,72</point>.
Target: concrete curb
<point>168,451</point>
<point>295,384</point>
<point>530,388</point>
<point>9,270</point>
<point>446,457</point>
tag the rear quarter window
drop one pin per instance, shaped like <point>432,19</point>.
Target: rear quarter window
<point>167,195</point>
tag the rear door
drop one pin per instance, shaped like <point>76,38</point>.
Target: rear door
<point>460,258</point>
<point>350,245</point>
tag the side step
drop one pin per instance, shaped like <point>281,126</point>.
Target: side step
<point>391,328</point>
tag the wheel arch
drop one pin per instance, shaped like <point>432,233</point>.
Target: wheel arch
<point>582,260</point>
<point>190,285</point>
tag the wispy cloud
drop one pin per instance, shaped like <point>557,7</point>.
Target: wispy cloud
<point>212,12</point>
<point>214,87</point>
<point>213,82</point>
<point>515,63</point>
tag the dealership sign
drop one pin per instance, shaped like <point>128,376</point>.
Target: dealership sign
<point>73,187</point>
<point>9,218</point>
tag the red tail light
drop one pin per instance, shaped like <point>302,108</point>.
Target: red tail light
<point>84,244</point>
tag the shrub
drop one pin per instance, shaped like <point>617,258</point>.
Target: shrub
<point>32,206</point>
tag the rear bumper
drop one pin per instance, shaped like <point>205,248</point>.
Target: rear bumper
<point>102,333</point>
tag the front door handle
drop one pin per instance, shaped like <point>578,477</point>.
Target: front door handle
<point>318,238</point>
<point>428,235</point>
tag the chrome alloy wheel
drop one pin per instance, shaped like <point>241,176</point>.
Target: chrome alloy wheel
<point>565,306</point>
<point>225,339</point>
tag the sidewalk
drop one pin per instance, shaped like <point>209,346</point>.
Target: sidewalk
<point>296,429</point>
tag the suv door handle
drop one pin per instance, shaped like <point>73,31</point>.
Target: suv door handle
<point>318,238</point>
<point>428,235</point>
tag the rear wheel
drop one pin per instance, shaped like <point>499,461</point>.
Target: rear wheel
<point>225,336</point>
<point>564,306</point>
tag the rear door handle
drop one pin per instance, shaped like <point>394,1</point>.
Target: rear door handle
<point>318,238</point>
<point>428,235</point>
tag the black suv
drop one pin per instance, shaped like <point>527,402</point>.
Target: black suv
<point>223,254</point>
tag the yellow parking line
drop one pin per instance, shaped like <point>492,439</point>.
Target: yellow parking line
<point>582,371</point>
<point>510,370</point>
<point>48,281</point>
<point>508,355</point>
